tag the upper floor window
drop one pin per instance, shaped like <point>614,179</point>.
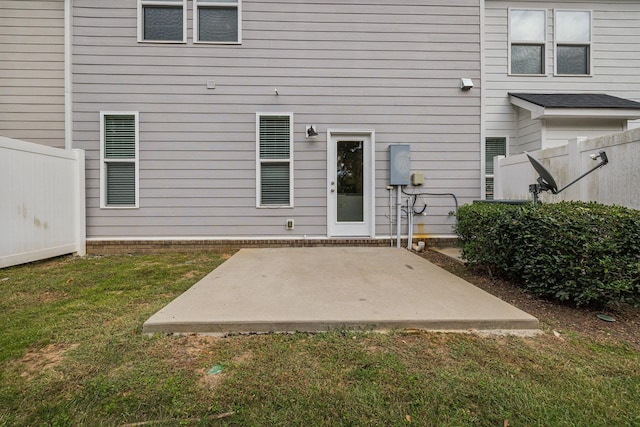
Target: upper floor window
<point>572,41</point>
<point>527,37</point>
<point>162,21</point>
<point>217,21</point>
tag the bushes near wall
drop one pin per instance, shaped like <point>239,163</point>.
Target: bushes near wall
<point>582,253</point>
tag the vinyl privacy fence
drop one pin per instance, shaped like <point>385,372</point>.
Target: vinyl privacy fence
<point>42,202</point>
<point>617,183</point>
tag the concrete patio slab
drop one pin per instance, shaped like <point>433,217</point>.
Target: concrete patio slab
<point>319,289</point>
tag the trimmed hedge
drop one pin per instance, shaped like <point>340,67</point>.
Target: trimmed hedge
<point>582,253</point>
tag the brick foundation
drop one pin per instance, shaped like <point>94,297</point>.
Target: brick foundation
<point>114,247</point>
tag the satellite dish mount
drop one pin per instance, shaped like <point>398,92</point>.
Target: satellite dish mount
<point>545,181</point>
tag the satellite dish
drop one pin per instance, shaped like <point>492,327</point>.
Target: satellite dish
<point>546,181</point>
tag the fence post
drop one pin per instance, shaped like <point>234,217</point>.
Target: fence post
<point>80,203</point>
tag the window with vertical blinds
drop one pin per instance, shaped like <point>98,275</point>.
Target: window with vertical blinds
<point>119,159</point>
<point>274,160</point>
<point>495,146</point>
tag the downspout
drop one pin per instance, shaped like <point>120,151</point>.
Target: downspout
<point>483,128</point>
<point>68,58</point>
<point>80,210</point>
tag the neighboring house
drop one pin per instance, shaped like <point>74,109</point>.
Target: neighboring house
<point>553,71</point>
<point>198,118</point>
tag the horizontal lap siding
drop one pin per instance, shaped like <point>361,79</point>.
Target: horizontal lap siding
<point>389,66</point>
<point>32,71</point>
<point>616,57</point>
<point>529,132</point>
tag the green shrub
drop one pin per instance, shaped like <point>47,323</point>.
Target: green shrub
<point>582,253</point>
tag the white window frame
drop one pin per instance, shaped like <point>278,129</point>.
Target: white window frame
<point>260,161</point>
<point>542,42</point>
<point>492,175</point>
<point>104,161</point>
<point>197,4</point>
<point>556,42</point>
<point>167,3</point>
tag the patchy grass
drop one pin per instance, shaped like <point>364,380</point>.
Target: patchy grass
<point>71,353</point>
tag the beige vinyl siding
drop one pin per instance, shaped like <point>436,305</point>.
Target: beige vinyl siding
<point>390,66</point>
<point>560,131</point>
<point>616,57</point>
<point>528,132</point>
<point>32,71</point>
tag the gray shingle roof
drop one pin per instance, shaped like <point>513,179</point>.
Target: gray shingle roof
<point>577,100</point>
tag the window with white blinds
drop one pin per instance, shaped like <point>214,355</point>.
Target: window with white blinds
<point>274,152</point>
<point>494,146</point>
<point>119,159</point>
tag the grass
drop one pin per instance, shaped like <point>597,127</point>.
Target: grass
<point>71,353</point>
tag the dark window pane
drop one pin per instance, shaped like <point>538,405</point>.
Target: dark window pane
<point>218,24</point>
<point>350,181</point>
<point>163,23</point>
<point>121,184</point>
<point>573,59</point>
<point>274,180</point>
<point>527,59</point>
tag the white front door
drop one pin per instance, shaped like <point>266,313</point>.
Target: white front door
<point>350,190</point>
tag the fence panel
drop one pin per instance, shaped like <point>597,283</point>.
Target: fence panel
<point>42,203</point>
<point>616,183</point>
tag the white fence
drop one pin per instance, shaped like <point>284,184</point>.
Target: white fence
<point>42,202</point>
<point>616,183</point>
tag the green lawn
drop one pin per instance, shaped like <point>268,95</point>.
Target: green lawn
<point>72,353</point>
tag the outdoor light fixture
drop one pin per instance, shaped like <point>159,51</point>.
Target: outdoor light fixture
<point>466,84</point>
<point>311,132</point>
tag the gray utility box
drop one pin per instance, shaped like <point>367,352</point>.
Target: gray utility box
<point>400,164</point>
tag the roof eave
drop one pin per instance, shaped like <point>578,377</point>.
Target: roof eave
<point>540,112</point>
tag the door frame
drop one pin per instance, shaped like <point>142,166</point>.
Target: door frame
<point>369,227</point>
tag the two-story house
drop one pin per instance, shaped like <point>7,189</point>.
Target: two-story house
<point>262,119</point>
<point>199,118</point>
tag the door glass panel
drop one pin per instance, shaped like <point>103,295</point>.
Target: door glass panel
<point>350,181</point>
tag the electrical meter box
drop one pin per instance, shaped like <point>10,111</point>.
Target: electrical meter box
<point>400,164</point>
